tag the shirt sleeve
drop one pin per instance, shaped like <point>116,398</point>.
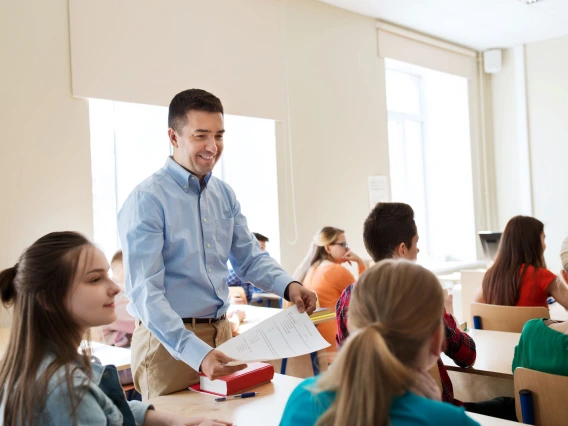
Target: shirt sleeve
<point>460,346</point>
<point>341,316</point>
<point>250,262</point>
<point>233,280</point>
<point>141,229</point>
<point>139,410</point>
<point>545,278</point>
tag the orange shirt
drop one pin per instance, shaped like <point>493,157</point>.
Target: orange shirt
<point>329,280</point>
<point>534,286</point>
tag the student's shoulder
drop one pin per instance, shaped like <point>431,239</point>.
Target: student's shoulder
<point>413,409</point>
<point>533,327</point>
<point>335,271</point>
<point>305,406</point>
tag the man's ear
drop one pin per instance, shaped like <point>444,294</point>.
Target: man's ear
<point>173,137</point>
<point>400,251</point>
<point>565,276</point>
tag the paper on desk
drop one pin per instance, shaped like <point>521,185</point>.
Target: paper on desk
<point>284,335</point>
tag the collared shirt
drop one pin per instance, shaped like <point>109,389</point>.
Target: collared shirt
<point>103,401</point>
<point>459,346</point>
<point>177,236</point>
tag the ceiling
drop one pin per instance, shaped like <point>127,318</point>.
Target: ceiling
<point>478,24</point>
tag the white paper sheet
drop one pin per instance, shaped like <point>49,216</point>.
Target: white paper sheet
<point>379,190</point>
<point>284,335</point>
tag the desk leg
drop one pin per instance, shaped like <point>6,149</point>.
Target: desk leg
<point>283,366</point>
<point>268,303</point>
<point>314,356</point>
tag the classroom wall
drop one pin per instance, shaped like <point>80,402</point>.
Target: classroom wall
<point>507,152</point>
<point>545,69</point>
<point>547,95</point>
<point>338,123</point>
<point>45,169</point>
<point>337,112</point>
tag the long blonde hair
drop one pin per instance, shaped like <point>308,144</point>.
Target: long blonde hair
<point>395,309</point>
<point>316,254</point>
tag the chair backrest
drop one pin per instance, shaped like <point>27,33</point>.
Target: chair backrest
<point>506,318</point>
<point>548,395</point>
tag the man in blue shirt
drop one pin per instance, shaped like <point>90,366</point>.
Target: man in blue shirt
<point>178,229</point>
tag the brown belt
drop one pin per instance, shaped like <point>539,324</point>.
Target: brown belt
<point>203,320</point>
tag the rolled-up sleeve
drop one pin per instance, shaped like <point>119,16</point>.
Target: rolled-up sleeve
<point>250,262</point>
<point>139,410</point>
<point>141,226</point>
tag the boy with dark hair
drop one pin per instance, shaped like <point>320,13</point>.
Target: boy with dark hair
<point>390,233</point>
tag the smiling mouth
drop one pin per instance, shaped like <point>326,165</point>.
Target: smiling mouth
<point>207,157</point>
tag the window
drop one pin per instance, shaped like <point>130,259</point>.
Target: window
<point>129,142</point>
<point>430,159</point>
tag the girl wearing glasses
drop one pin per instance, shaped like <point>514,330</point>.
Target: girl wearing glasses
<point>321,271</point>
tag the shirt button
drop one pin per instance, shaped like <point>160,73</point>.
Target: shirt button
<point>204,219</point>
<point>185,187</point>
<point>209,269</point>
<point>208,245</point>
<point>218,293</point>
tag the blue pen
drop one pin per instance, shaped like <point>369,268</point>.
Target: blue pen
<point>242,395</point>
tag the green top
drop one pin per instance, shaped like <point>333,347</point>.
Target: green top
<point>542,349</point>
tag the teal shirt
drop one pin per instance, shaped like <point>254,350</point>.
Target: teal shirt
<point>304,408</point>
<point>542,349</point>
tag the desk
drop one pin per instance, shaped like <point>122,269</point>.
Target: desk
<point>495,352</point>
<point>119,357</point>
<point>491,375</point>
<point>263,410</point>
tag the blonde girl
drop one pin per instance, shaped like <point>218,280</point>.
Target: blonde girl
<point>379,376</point>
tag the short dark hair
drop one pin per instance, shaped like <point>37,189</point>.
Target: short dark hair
<point>191,99</point>
<point>260,237</point>
<point>388,225</point>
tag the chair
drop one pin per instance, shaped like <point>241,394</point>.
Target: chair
<point>506,318</point>
<point>239,292</point>
<point>548,396</point>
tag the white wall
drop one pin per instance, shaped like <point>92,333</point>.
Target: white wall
<point>546,68</point>
<point>44,149</point>
<point>337,110</point>
<point>338,119</point>
<point>547,94</point>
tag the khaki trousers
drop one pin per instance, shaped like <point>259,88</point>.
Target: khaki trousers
<point>156,372</point>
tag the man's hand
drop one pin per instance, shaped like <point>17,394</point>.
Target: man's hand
<point>213,365</point>
<point>303,298</point>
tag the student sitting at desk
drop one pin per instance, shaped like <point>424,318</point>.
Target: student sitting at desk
<point>321,271</point>
<point>59,290</point>
<point>381,375</point>
<point>543,345</point>
<point>234,281</point>
<point>519,277</point>
<point>390,232</point>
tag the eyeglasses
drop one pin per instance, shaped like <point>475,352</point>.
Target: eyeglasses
<point>344,245</point>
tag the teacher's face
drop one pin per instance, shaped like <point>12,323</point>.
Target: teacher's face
<point>199,144</point>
